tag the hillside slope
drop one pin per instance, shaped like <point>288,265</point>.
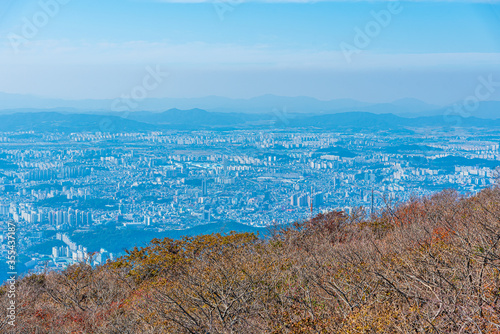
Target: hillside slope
<point>431,265</point>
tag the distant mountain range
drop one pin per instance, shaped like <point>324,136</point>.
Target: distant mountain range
<point>198,119</point>
<point>365,120</point>
<point>53,121</point>
<point>265,104</point>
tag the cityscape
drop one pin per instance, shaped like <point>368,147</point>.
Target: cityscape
<point>249,166</point>
<point>88,196</point>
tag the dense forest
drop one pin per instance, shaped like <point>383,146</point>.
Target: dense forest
<point>431,265</point>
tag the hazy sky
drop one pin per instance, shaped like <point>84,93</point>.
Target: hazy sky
<point>366,50</point>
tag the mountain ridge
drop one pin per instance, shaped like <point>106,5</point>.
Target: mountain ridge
<point>201,119</point>
<point>268,103</point>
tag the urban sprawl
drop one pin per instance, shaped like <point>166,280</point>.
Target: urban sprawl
<point>55,186</point>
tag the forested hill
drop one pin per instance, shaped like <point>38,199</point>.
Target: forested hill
<point>198,119</point>
<point>431,265</point>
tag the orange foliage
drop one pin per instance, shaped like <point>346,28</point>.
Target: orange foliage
<point>428,266</point>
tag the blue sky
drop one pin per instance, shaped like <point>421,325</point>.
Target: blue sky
<point>432,50</point>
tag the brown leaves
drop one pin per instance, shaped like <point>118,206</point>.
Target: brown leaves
<point>429,265</point>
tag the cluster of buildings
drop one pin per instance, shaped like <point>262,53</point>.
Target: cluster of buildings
<point>71,253</point>
<point>307,200</point>
<point>60,219</point>
<point>56,184</point>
